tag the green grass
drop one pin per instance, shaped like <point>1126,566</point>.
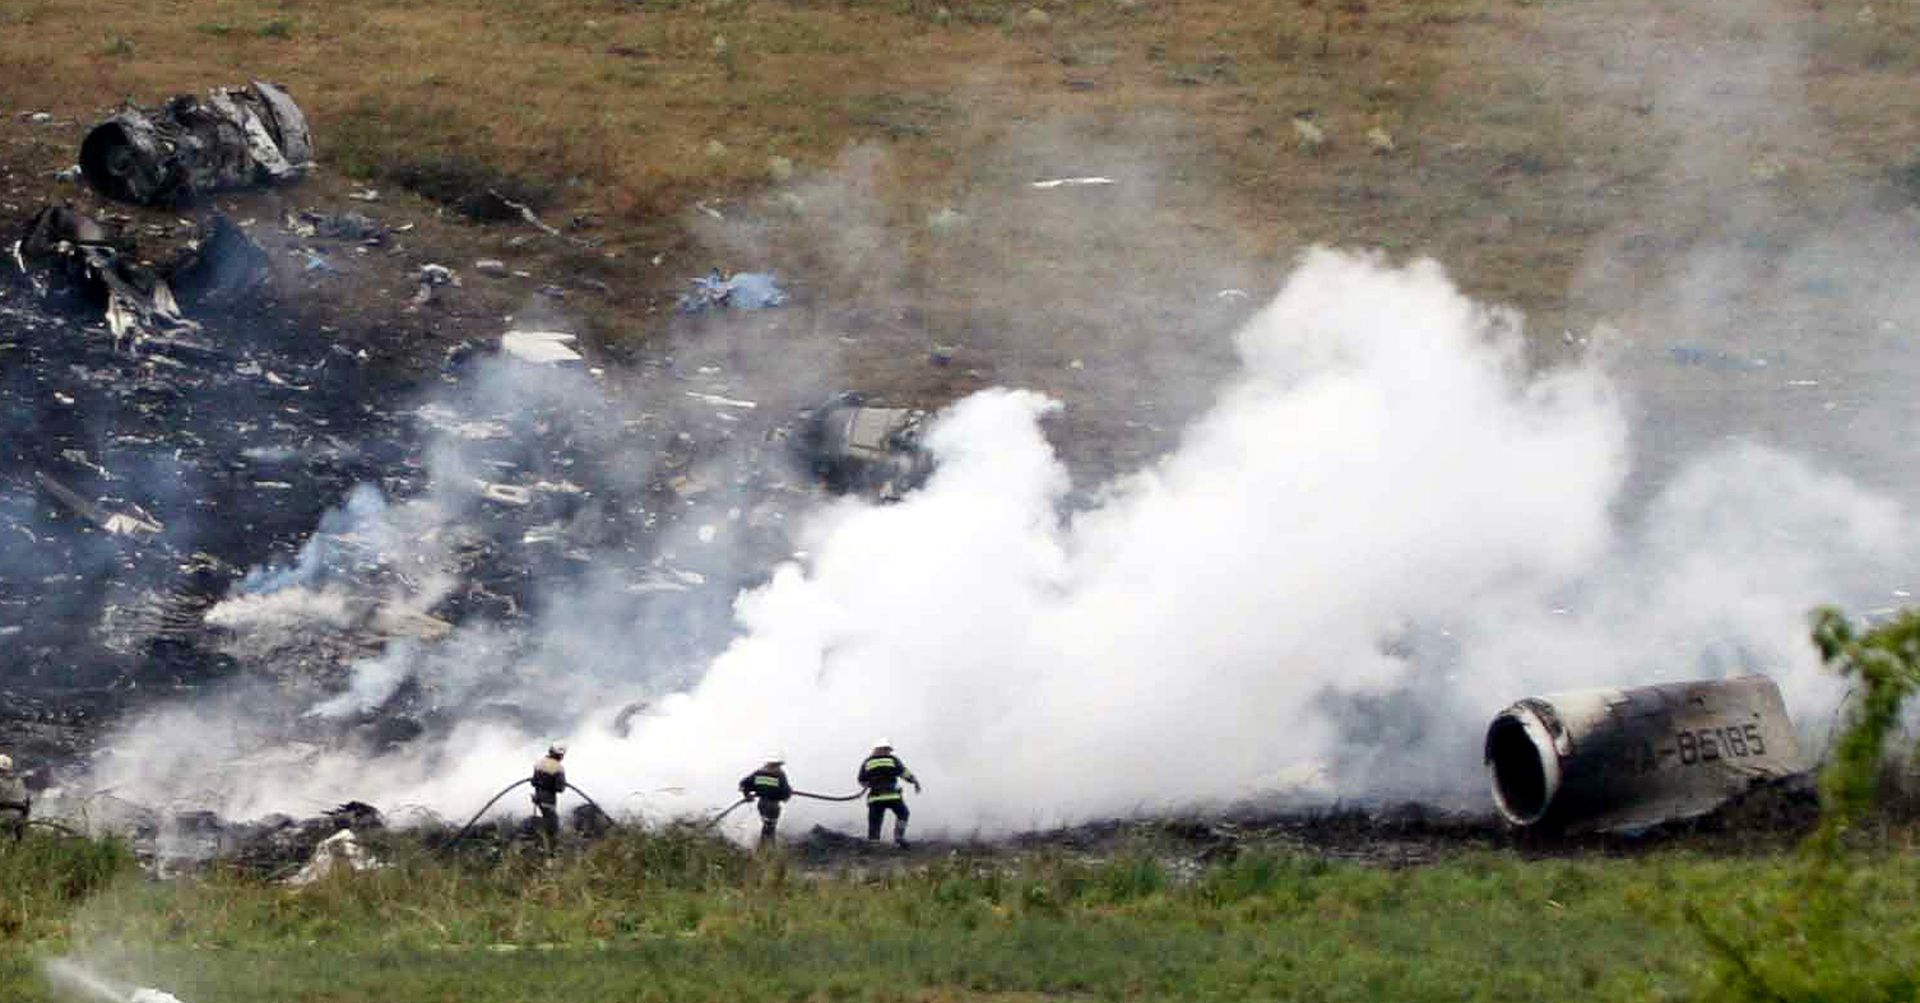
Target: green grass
<point>44,877</point>
<point>675,916</point>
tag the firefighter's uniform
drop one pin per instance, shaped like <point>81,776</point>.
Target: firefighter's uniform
<point>549,779</point>
<point>15,803</point>
<point>881,774</point>
<point>769,789</point>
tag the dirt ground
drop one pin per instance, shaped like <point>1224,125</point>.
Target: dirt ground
<point>1565,159</point>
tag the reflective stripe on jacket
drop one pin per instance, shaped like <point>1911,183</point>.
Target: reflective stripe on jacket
<point>766,785</point>
<point>881,776</point>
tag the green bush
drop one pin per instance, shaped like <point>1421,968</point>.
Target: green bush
<point>1842,927</point>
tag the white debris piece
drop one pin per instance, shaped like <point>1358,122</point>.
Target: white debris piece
<point>946,220</point>
<point>1308,134</point>
<point>122,524</point>
<point>505,494</point>
<point>433,278</point>
<point>541,347</point>
<point>342,849</point>
<point>447,420</point>
<point>667,580</point>
<point>1072,182</point>
<point>147,995</point>
<point>719,401</point>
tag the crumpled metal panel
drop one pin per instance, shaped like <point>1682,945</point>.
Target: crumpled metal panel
<point>64,253</point>
<point>876,451</point>
<point>287,123</point>
<point>232,138</point>
<point>1626,758</point>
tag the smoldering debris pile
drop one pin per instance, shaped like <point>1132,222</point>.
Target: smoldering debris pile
<point>71,259</point>
<point>190,502</point>
<point>138,474</point>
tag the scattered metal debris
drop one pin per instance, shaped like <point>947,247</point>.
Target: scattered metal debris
<point>506,494</point>
<point>221,267</point>
<point>433,278</point>
<point>340,852</point>
<point>1612,759</point>
<point>740,291</point>
<point>1685,354</point>
<point>66,253</point>
<point>1085,182</point>
<point>1307,133</point>
<point>133,523</point>
<point>232,138</point>
<point>357,227</point>
<point>544,348</point>
<point>532,219</point>
<point>719,401</point>
<point>946,220</point>
<point>855,448</point>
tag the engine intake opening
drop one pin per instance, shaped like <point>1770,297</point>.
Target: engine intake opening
<point>1524,767</point>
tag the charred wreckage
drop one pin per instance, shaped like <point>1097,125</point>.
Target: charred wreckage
<point>179,448</point>
<point>154,454</point>
<point>234,137</point>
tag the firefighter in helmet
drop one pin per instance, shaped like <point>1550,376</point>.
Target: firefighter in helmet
<point>769,790</point>
<point>880,775</point>
<point>15,803</point>
<point>549,779</point>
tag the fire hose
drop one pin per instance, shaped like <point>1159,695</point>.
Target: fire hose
<point>855,796</point>
<point>458,836</point>
<point>504,791</point>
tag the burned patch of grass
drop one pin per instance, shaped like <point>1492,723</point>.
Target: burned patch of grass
<point>899,115</point>
<point>1906,179</point>
<point>475,189</point>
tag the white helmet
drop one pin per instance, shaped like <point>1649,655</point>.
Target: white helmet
<point>6,763</point>
<point>885,743</point>
<point>776,757</point>
<point>557,750</point>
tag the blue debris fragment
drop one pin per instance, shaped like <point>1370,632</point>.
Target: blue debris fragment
<point>1684,354</point>
<point>740,291</point>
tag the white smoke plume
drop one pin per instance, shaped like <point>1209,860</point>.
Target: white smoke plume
<point>1384,529</point>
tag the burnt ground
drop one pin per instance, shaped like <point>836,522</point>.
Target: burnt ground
<point>237,438</point>
<point>1770,819</point>
<point>233,439</point>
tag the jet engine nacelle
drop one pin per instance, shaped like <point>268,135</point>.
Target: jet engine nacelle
<point>1621,758</point>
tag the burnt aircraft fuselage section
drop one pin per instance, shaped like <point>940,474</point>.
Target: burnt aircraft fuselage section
<point>231,138</point>
<point>1620,758</point>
